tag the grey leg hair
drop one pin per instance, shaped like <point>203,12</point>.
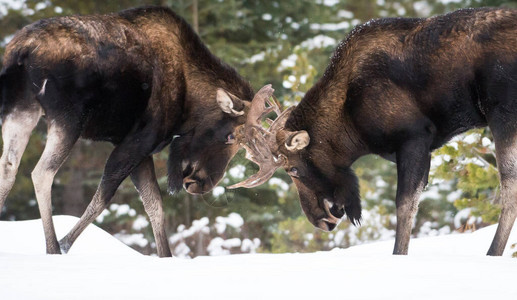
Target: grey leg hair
<point>16,131</point>
<point>58,147</point>
<point>93,210</point>
<point>506,152</point>
<point>122,162</point>
<point>413,162</point>
<point>144,178</point>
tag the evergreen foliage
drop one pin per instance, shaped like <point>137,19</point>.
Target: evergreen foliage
<point>288,44</point>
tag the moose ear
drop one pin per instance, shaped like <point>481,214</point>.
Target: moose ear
<point>227,103</point>
<point>297,140</point>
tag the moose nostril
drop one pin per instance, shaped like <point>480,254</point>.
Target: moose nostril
<point>331,226</point>
<point>337,211</point>
<point>187,182</point>
<point>334,211</point>
<point>325,225</point>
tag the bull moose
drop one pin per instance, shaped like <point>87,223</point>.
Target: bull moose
<point>399,88</point>
<point>140,79</point>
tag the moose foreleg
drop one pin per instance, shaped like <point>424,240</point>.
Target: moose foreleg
<point>506,220</point>
<point>144,178</point>
<point>506,153</point>
<point>122,161</point>
<point>413,162</point>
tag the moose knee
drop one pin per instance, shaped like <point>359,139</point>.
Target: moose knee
<point>407,209</point>
<point>509,194</point>
<point>42,179</point>
<point>10,161</point>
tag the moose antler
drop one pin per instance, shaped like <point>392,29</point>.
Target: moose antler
<point>260,143</point>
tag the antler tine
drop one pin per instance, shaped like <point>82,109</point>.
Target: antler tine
<point>265,172</point>
<point>267,111</point>
<point>276,104</point>
<point>258,105</point>
<point>259,142</point>
<point>258,146</point>
<point>279,122</point>
<point>249,154</point>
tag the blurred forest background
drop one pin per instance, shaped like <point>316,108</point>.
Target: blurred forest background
<point>287,43</point>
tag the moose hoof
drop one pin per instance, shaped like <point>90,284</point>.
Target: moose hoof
<point>64,245</point>
<point>53,248</point>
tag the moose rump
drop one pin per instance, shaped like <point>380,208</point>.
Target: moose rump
<point>84,88</point>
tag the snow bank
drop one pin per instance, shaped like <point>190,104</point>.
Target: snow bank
<point>26,237</point>
<point>99,266</point>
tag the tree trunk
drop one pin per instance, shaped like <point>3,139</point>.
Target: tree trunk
<point>195,16</point>
<point>73,194</point>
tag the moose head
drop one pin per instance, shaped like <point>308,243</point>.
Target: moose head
<point>327,187</point>
<point>199,157</point>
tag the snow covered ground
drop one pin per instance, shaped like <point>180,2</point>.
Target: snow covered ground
<point>100,267</point>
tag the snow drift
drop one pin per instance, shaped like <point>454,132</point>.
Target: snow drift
<point>99,266</point>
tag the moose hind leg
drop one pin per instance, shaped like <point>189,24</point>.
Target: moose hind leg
<point>16,130</point>
<point>506,154</point>
<point>144,178</point>
<point>58,147</point>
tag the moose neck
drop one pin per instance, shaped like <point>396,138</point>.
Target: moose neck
<point>201,84</point>
<point>203,70</point>
<point>326,125</point>
<point>202,81</point>
<point>188,61</point>
<point>204,73</point>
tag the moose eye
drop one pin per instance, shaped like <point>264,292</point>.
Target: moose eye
<point>230,139</point>
<point>293,172</point>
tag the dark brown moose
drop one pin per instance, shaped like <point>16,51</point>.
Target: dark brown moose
<point>140,79</point>
<point>399,88</point>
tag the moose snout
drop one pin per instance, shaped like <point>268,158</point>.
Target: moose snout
<point>326,225</point>
<point>195,186</point>
<point>333,209</point>
<point>190,185</point>
<point>334,213</point>
<point>198,182</point>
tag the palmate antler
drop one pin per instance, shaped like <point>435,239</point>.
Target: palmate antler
<point>260,143</point>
